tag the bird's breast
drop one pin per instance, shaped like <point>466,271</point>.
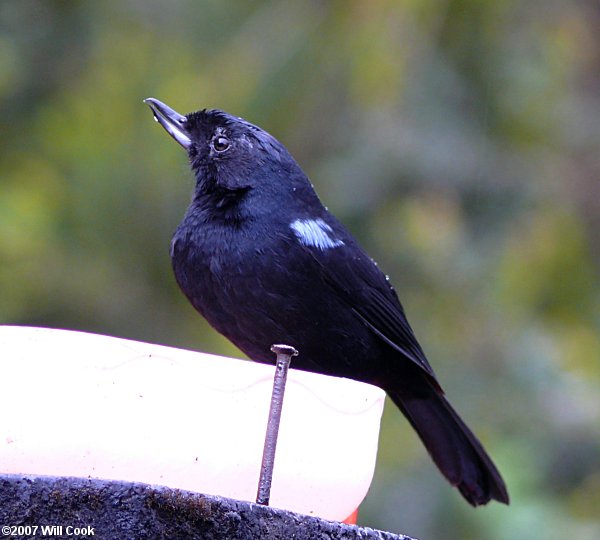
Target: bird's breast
<point>267,289</point>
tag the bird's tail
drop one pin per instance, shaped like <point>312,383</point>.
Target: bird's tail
<point>454,448</point>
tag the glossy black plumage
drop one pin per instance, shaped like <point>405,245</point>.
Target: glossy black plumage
<point>264,262</point>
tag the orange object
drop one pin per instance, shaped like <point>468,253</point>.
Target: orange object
<point>352,518</point>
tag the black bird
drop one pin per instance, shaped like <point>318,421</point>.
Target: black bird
<point>262,259</point>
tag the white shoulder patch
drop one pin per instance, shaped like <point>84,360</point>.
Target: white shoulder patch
<point>315,233</point>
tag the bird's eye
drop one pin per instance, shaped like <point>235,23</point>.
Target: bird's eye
<point>221,143</point>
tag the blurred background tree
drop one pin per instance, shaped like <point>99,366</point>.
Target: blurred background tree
<point>460,142</point>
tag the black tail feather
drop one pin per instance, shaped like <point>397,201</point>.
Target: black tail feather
<point>453,447</point>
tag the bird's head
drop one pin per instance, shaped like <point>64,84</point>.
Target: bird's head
<point>229,154</point>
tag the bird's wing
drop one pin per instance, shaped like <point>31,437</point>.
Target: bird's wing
<point>358,280</point>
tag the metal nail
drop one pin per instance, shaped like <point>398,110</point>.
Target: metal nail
<point>284,357</point>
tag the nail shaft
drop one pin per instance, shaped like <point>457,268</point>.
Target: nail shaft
<point>284,356</point>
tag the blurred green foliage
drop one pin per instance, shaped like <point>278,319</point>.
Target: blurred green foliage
<point>458,139</point>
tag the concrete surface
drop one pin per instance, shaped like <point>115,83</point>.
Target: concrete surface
<point>91,508</point>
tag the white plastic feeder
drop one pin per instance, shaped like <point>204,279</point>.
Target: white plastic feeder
<point>85,405</point>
